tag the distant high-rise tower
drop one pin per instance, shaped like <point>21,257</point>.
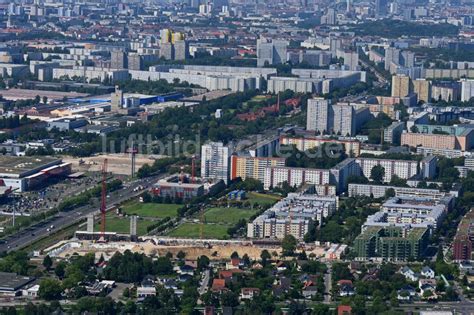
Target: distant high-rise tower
<point>215,161</point>
<point>380,8</point>
<point>135,62</point>
<point>116,99</point>
<point>401,86</point>
<point>133,227</point>
<point>324,117</point>
<point>118,60</point>
<point>317,115</point>
<point>271,52</point>
<point>391,55</point>
<point>330,18</point>
<point>173,45</point>
<point>181,50</point>
<point>422,88</point>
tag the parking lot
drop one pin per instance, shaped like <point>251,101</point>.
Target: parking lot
<point>47,198</point>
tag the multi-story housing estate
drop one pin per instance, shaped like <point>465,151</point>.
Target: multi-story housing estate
<point>392,243</point>
<point>292,215</point>
<point>459,137</point>
<point>425,212</point>
<point>401,168</point>
<point>253,167</point>
<point>379,191</point>
<point>351,147</point>
<point>295,177</point>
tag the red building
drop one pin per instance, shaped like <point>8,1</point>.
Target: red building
<point>464,238</point>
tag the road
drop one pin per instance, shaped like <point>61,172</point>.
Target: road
<point>328,284</point>
<point>37,231</point>
<point>455,307</point>
<point>204,282</point>
<point>382,80</point>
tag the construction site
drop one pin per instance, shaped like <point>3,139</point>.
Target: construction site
<point>154,246</point>
<point>118,164</point>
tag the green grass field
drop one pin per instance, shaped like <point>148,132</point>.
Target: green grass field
<point>122,225</point>
<point>262,199</point>
<point>192,230</point>
<point>151,210</point>
<point>227,216</point>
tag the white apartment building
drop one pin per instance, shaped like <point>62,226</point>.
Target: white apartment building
<point>409,210</point>
<point>215,161</point>
<point>91,73</point>
<point>292,215</point>
<point>401,168</point>
<point>467,90</point>
<point>295,177</point>
<point>317,114</point>
<point>378,191</point>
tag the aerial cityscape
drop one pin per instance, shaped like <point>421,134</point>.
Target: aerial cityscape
<point>237,157</point>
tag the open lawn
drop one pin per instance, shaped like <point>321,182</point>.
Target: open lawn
<point>121,225</point>
<point>192,230</point>
<point>262,199</point>
<point>228,216</point>
<point>151,210</point>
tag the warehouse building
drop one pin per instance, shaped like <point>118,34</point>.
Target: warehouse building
<point>11,284</point>
<point>25,172</point>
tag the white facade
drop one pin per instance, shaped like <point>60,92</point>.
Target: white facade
<point>292,215</point>
<point>401,168</point>
<point>91,74</point>
<point>215,161</point>
<point>467,90</point>
<point>295,177</point>
<point>317,114</point>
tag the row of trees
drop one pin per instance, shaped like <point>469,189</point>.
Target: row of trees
<point>133,267</point>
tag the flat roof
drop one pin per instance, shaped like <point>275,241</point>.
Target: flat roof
<point>23,94</point>
<point>212,95</point>
<point>13,282</point>
<point>18,165</point>
<point>76,175</point>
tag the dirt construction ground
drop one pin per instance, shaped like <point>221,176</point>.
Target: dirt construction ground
<point>119,164</point>
<point>214,252</point>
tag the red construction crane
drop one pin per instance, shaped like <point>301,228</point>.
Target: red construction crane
<point>103,201</point>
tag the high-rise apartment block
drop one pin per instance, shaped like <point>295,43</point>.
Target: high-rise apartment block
<point>215,161</point>
<point>422,88</point>
<point>401,86</point>
<point>467,90</point>
<point>343,119</point>
<point>173,45</point>
<point>271,52</point>
<point>135,62</point>
<point>118,60</point>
